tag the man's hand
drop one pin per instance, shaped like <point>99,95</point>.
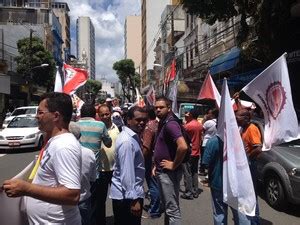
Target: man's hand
<point>153,171</point>
<point>136,208</point>
<point>166,164</point>
<point>16,187</point>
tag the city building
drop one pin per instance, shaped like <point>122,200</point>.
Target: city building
<point>18,20</point>
<point>133,40</point>
<point>61,10</point>
<point>86,43</point>
<point>151,29</point>
<point>108,88</point>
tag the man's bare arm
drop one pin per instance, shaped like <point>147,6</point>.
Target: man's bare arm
<point>56,195</point>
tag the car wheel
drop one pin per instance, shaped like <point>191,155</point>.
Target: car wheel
<point>275,195</point>
<point>41,143</point>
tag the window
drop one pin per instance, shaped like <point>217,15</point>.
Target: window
<point>187,20</point>
<point>191,54</point>
<point>214,36</point>
<point>196,48</point>
<point>205,44</point>
<point>187,57</point>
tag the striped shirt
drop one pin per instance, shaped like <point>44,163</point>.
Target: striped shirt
<point>93,132</point>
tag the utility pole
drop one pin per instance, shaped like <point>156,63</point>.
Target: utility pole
<point>30,69</point>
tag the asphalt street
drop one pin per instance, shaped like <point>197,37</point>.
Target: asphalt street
<point>197,211</point>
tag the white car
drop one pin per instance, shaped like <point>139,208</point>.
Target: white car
<point>22,132</point>
<point>25,110</point>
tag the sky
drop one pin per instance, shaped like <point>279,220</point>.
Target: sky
<point>108,18</point>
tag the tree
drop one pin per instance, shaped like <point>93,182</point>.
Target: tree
<point>93,86</point>
<point>128,77</point>
<point>32,55</point>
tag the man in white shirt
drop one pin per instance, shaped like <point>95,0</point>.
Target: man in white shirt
<point>88,175</point>
<point>54,193</point>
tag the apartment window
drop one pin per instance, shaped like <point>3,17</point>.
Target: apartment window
<point>205,43</point>
<point>192,22</point>
<point>214,36</point>
<point>226,30</point>
<point>196,48</point>
<point>191,54</point>
<point>187,57</point>
<point>187,20</point>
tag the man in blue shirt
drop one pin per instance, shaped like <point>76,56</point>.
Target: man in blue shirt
<point>127,190</point>
<point>213,159</point>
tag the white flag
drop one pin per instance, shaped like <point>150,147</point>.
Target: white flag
<point>58,87</point>
<point>271,90</point>
<point>238,190</point>
<point>139,99</point>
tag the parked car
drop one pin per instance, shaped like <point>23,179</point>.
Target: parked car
<point>279,171</point>
<point>25,110</point>
<point>21,132</point>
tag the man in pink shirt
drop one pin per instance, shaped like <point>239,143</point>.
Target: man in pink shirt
<point>194,129</point>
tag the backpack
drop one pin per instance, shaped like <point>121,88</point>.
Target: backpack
<point>187,139</point>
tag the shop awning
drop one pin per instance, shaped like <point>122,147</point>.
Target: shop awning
<point>225,61</point>
<point>241,79</point>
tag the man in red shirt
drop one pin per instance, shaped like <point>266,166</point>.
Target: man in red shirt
<point>194,129</point>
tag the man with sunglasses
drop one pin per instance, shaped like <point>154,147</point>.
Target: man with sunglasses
<point>54,193</point>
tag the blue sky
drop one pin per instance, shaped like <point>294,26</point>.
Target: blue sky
<point>108,17</point>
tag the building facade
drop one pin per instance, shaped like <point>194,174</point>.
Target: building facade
<point>61,10</point>
<point>151,11</point>
<point>133,40</point>
<point>86,43</point>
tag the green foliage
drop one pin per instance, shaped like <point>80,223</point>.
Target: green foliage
<point>29,60</point>
<point>93,86</point>
<point>129,79</point>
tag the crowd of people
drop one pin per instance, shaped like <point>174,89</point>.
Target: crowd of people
<point>110,152</point>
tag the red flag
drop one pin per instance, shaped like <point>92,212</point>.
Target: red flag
<point>151,96</point>
<point>173,70</point>
<point>209,90</point>
<point>74,78</point>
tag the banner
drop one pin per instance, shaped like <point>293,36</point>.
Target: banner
<point>209,90</point>
<point>77,103</point>
<point>151,96</point>
<point>74,78</point>
<point>238,190</point>
<point>173,96</point>
<point>271,90</point>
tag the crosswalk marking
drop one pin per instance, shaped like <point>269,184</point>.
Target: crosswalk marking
<point>2,155</point>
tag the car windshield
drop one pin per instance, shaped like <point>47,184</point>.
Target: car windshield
<point>20,122</point>
<point>18,112</point>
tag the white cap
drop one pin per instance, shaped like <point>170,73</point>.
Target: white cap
<point>108,100</point>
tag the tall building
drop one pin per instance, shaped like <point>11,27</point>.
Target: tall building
<point>86,43</point>
<point>151,18</point>
<point>61,10</point>
<point>133,40</point>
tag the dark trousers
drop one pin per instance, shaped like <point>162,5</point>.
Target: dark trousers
<point>201,166</point>
<point>152,184</point>
<point>99,194</point>
<point>122,212</point>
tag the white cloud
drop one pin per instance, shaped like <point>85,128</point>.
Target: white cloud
<point>108,17</point>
